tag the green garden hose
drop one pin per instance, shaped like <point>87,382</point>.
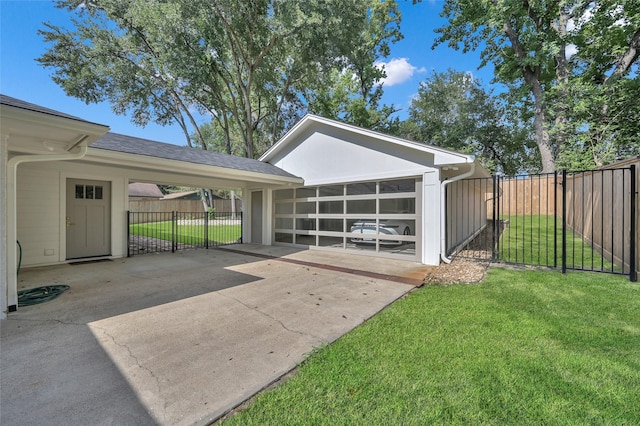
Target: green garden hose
<point>33,296</point>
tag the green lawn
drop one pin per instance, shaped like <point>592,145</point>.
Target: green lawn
<point>529,240</point>
<point>523,347</point>
<point>187,234</point>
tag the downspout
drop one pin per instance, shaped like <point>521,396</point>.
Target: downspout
<point>443,210</point>
<point>12,238</point>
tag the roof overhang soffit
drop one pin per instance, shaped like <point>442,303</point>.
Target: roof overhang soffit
<point>35,132</point>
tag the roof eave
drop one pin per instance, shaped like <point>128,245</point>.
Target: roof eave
<point>442,156</point>
<point>92,130</point>
<point>204,170</point>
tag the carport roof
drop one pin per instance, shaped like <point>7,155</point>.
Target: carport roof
<point>138,146</point>
<point>18,103</point>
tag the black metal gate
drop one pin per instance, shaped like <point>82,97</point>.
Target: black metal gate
<point>567,220</point>
<point>153,232</point>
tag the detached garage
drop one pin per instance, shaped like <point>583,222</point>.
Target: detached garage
<point>325,185</point>
<point>364,191</point>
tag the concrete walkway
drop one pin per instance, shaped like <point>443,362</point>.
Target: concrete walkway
<point>180,339</point>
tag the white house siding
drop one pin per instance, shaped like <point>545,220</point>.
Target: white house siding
<point>41,205</point>
<point>335,155</point>
<point>38,218</point>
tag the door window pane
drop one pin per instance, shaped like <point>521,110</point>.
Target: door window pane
<point>330,241</point>
<point>400,185</point>
<point>308,207</point>
<point>331,191</point>
<point>98,193</point>
<point>398,205</point>
<point>283,194</point>
<point>397,227</point>
<point>284,208</point>
<point>284,238</point>
<point>306,240</point>
<point>305,224</point>
<point>79,191</point>
<point>334,225</point>
<point>284,223</point>
<point>361,206</point>
<point>89,192</point>
<point>305,192</point>
<point>331,207</point>
<point>361,188</point>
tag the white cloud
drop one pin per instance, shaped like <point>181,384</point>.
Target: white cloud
<point>570,50</point>
<point>398,71</point>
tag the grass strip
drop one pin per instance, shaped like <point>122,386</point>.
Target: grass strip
<point>523,347</point>
<point>187,234</point>
<point>537,240</point>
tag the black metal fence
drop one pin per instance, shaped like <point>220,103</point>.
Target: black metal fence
<point>567,220</point>
<point>153,232</point>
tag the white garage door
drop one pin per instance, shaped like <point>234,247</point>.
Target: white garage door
<point>380,217</point>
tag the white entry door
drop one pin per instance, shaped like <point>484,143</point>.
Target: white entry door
<point>88,218</point>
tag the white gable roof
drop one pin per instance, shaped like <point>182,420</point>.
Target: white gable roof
<point>321,150</point>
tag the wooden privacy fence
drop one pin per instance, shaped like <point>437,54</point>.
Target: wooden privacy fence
<point>574,220</point>
<point>185,206</point>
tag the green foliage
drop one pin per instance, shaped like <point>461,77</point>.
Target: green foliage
<point>523,347</point>
<point>454,111</point>
<point>352,92</point>
<point>563,63</point>
<point>248,64</point>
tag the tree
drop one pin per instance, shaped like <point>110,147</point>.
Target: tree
<point>528,42</point>
<point>352,92</point>
<point>454,111</point>
<point>605,86</point>
<point>244,63</point>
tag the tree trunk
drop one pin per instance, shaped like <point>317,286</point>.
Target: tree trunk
<point>539,124</point>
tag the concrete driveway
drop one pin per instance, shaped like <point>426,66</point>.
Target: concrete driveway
<point>180,339</point>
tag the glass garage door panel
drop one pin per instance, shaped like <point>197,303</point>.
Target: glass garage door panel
<point>364,216</point>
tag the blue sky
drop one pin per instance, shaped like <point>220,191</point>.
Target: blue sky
<point>410,62</point>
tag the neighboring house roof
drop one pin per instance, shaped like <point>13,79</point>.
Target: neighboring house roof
<point>132,145</point>
<point>442,156</point>
<point>17,103</point>
<point>192,195</point>
<point>146,190</point>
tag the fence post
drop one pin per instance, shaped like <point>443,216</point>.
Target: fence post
<point>241,225</point>
<point>555,219</point>
<point>206,230</point>
<point>173,232</point>
<point>633,275</point>
<point>564,221</point>
<point>128,233</point>
<point>495,220</point>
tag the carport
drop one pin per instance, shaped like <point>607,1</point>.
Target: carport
<point>66,192</point>
<point>181,338</point>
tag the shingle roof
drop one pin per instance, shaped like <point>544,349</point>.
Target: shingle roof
<point>17,103</point>
<point>141,189</point>
<point>132,145</point>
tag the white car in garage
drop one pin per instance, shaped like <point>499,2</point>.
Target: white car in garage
<point>389,227</point>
